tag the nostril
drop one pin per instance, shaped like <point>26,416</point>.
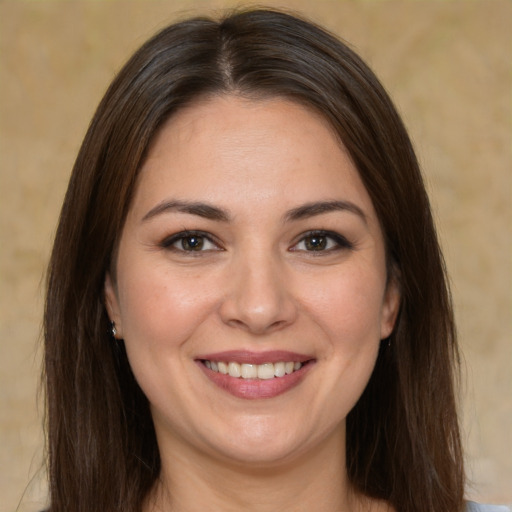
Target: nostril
<point>237,323</point>
<point>258,328</point>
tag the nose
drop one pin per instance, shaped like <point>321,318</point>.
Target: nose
<point>258,296</point>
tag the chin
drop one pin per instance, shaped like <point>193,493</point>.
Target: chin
<point>259,456</point>
<point>263,443</point>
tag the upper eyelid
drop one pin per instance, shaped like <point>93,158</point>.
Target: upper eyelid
<point>322,232</point>
<point>168,241</point>
<point>340,239</point>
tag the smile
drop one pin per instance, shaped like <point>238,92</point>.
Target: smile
<point>265,371</point>
<point>255,375</point>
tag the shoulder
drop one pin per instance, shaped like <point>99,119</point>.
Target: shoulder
<point>471,506</point>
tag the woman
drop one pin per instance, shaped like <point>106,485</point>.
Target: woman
<point>247,304</point>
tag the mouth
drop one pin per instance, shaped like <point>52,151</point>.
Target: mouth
<point>265,371</point>
<point>255,375</point>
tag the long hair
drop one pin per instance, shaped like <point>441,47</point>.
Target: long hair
<point>403,442</point>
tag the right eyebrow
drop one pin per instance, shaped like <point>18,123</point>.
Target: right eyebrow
<point>204,210</point>
<point>321,207</point>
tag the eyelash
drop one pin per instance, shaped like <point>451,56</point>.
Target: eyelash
<point>339,241</point>
<point>171,241</point>
<point>328,241</point>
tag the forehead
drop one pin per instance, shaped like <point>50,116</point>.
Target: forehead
<point>224,147</point>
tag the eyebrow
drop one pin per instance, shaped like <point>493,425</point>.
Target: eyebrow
<point>210,212</point>
<point>193,208</point>
<point>320,207</point>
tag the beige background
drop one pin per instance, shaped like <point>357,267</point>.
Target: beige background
<point>448,66</point>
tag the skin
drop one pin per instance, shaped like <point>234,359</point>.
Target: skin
<point>256,285</point>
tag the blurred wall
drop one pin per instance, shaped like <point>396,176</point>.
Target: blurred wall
<point>448,66</point>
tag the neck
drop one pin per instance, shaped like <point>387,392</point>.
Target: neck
<point>314,481</point>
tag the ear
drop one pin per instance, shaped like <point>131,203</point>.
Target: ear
<point>390,307</point>
<point>112,304</point>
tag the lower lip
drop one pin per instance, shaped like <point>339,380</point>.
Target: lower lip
<point>253,389</point>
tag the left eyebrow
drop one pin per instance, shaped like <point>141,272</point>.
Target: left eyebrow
<point>318,208</point>
<point>204,210</point>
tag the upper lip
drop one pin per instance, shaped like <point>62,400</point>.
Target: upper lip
<point>248,357</point>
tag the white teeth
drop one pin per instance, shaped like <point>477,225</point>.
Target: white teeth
<point>249,371</point>
<point>223,367</point>
<point>264,371</point>
<point>234,370</point>
<point>279,370</point>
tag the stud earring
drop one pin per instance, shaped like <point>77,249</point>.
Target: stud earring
<point>113,330</point>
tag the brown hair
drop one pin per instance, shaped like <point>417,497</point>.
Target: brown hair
<point>403,441</point>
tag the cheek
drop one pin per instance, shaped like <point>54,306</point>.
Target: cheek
<point>160,309</point>
<point>161,313</point>
<point>348,306</point>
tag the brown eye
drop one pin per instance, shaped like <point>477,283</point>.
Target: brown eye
<point>321,241</point>
<point>315,242</point>
<point>192,243</point>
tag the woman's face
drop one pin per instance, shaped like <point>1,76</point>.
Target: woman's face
<point>252,248</point>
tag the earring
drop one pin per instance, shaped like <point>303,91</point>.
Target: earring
<point>113,330</point>
<point>386,342</point>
